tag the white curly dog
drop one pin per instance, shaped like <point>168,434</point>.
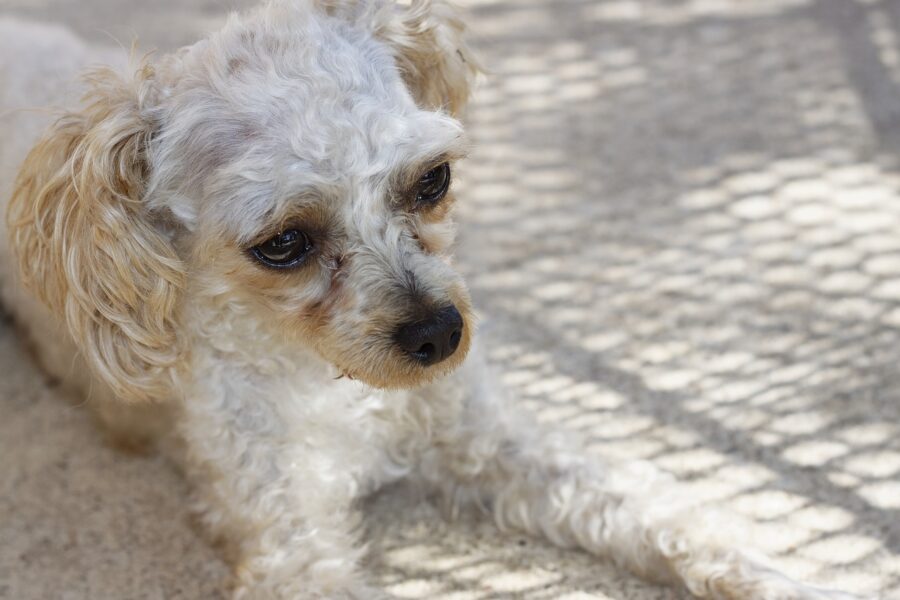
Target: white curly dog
<point>241,248</point>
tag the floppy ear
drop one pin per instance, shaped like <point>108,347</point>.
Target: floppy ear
<point>85,245</point>
<point>429,43</point>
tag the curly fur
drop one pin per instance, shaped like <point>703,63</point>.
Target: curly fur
<point>282,394</point>
<point>85,249</point>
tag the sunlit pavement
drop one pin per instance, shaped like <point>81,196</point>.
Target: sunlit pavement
<point>681,223</point>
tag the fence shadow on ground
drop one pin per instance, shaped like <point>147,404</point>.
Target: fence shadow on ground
<point>680,223</point>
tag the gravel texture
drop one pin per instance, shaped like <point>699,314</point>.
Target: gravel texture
<point>681,227</point>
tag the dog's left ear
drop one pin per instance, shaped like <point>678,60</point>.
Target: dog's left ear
<point>86,244</point>
<point>428,38</point>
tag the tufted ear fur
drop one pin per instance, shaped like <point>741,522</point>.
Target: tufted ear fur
<point>428,38</point>
<point>429,41</point>
<point>84,243</point>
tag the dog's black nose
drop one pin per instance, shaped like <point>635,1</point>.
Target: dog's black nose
<point>434,339</point>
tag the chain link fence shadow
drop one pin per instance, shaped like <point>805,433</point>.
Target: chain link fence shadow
<point>681,223</point>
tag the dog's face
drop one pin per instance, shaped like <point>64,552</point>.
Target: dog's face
<point>302,159</point>
<point>319,194</point>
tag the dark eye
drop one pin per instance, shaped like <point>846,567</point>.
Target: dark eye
<point>282,251</point>
<point>433,185</point>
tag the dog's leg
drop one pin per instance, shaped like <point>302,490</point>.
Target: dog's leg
<point>282,508</point>
<point>286,541</point>
<point>543,483</point>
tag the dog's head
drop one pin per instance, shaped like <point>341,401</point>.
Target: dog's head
<point>295,165</point>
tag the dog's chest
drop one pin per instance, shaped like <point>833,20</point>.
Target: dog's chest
<point>302,431</point>
<point>365,433</point>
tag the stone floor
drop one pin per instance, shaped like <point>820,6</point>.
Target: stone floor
<point>682,226</point>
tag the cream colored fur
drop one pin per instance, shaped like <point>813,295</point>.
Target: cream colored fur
<point>281,393</point>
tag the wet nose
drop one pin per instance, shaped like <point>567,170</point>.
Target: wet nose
<point>434,339</point>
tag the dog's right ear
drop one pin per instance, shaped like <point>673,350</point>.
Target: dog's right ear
<point>84,241</point>
<point>430,44</point>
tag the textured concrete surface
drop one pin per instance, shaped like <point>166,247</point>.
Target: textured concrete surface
<point>682,226</point>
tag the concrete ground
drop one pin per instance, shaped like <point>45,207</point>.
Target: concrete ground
<point>682,226</point>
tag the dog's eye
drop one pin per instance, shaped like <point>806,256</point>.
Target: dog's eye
<point>285,250</point>
<point>433,185</point>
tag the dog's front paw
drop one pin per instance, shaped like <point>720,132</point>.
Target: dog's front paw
<point>766,584</point>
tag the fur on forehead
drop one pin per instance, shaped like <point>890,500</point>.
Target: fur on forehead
<point>289,102</point>
<point>264,188</point>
